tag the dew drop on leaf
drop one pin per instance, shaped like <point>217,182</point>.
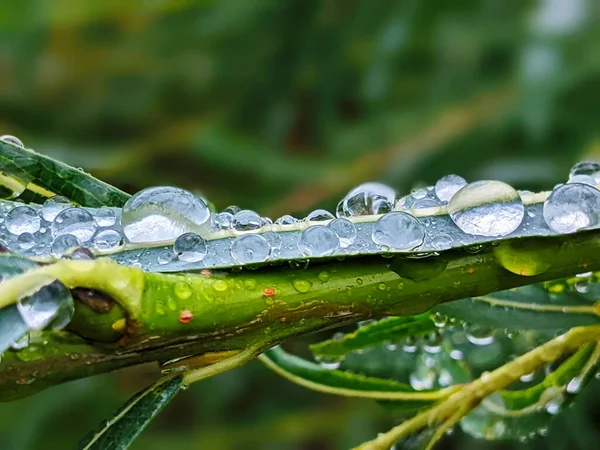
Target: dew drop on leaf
<point>75,221</point>
<point>53,206</point>
<point>22,219</point>
<point>250,248</point>
<point>246,220</point>
<point>447,186</point>
<point>64,242</point>
<point>572,207</point>
<point>318,240</point>
<point>107,240</point>
<point>398,230</point>
<point>319,215</point>
<point>345,230</point>
<point>190,247</point>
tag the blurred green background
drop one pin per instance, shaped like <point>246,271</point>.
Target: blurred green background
<point>283,106</point>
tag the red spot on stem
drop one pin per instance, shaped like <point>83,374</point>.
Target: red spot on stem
<point>269,292</point>
<point>470,271</point>
<point>206,272</point>
<point>185,316</point>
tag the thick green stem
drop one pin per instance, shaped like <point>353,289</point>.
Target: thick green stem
<point>171,316</point>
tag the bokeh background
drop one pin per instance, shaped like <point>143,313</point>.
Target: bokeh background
<point>283,106</point>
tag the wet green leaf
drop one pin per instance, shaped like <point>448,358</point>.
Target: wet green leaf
<point>25,171</point>
<point>129,421</point>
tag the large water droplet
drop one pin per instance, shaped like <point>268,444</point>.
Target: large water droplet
<point>107,240</point>
<point>63,243</point>
<point>572,207</point>
<point>246,220</point>
<point>586,168</point>
<point>487,208</point>
<point>51,304</point>
<point>163,213</point>
<point>26,241</point>
<point>75,221</point>
<point>22,219</point>
<point>447,186</point>
<point>345,230</point>
<point>53,206</point>
<point>398,230</point>
<point>318,240</point>
<point>319,215</point>
<point>250,248</point>
<point>12,140</point>
<point>367,199</point>
<point>190,247</point>
<point>286,220</point>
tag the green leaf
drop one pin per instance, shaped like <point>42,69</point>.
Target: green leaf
<point>375,333</point>
<point>521,414</point>
<point>21,169</point>
<point>534,307</point>
<point>129,421</point>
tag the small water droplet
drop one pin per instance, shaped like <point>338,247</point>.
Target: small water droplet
<point>183,290</point>
<point>441,241</point>
<point>26,241</point>
<point>572,207</point>
<point>250,248</point>
<point>51,305</point>
<point>367,199</point>
<point>80,253</point>
<point>105,217</point>
<point>329,363</point>
<point>12,140</point>
<point>21,343</point>
<point>398,230</point>
<point>163,213</point>
<point>302,286</point>
<point>246,220</point>
<point>479,335</point>
<point>319,215</point>
<point>447,186</point>
<point>324,276</point>
<point>318,240</point>
<point>222,221</point>
<point>190,247</point>
<point>439,320</point>
<point>286,220</point>
<point>487,208</point>
<point>64,242</point>
<point>575,385</point>
<point>107,240</point>
<point>586,168</point>
<point>345,230</point>
<point>165,257</point>
<point>75,221</point>
<point>22,219</point>
<point>53,206</point>
<point>220,285</point>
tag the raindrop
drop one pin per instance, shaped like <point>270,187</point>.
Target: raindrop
<point>107,240</point>
<point>345,230</point>
<point>105,217</point>
<point>53,304</point>
<point>163,213</point>
<point>572,207</point>
<point>222,221</point>
<point>432,343</point>
<point>26,241</point>
<point>12,140</point>
<point>250,248</point>
<point>286,220</point>
<point>409,345</point>
<point>81,253</point>
<point>165,257</point>
<point>586,168</point>
<point>479,335</point>
<point>75,221</point>
<point>21,343</point>
<point>329,363</point>
<point>398,230</point>
<point>22,219</point>
<point>575,385</point>
<point>319,215</point>
<point>64,242</point>
<point>190,247</point>
<point>441,241</point>
<point>447,186</point>
<point>318,240</point>
<point>367,199</point>
<point>487,208</point>
<point>302,286</point>
<point>233,210</point>
<point>439,320</point>
<point>53,206</point>
<point>246,220</point>
<point>582,179</point>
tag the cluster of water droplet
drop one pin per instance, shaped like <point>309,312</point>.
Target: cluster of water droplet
<point>369,219</point>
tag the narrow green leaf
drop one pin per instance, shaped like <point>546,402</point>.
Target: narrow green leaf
<point>45,177</point>
<point>533,307</point>
<point>375,333</point>
<point>129,421</point>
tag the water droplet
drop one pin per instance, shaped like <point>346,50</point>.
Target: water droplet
<point>165,257</point>
<point>220,285</point>
<point>21,343</point>
<point>160,308</point>
<point>527,378</point>
<point>345,230</point>
<point>232,209</point>
<point>222,221</point>
<point>409,345</point>
<point>183,290</point>
<point>432,343</point>
<point>329,363</point>
<point>324,276</point>
<point>575,385</point>
<point>586,168</point>
<point>53,206</point>
<point>107,240</point>
<point>286,220</point>
<point>382,286</point>
<point>26,241</point>
<point>250,248</point>
<point>479,335</point>
<point>318,240</point>
<point>572,207</point>
<point>64,242</point>
<point>398,230</point>
<point>319,215</point>
<point>190,247</point>
<point>12,140</point>
<point>302,286</point>
<point>447,186</point>
<point>22,219</point>
<point>273,239</point>
<point>441,241</point>
<point>75,221</point>
<point>163,213</point>
<point>105,217</point>
<point>367,199</point>
<point>53,304</point>
<point>439,320</point>
<point>246,220</point>
<point>487,208</point>
<point>583,179</point>
<point>526,258</point>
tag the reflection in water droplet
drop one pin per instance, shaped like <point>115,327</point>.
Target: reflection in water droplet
<point>75,221</point>
<point>163,213</point>
<point>447,186</point>
<point>572,207</point>
<point>107,240</point>
<point>318,240</point>
<point>345,230</point>
<point>105,217</point>
<point>398,230</point>
<point>26,241</point>
<point>246,220</point>
<point>22,219</point>
<point>190,247</point>
<point>250,248</point>
<point>487,208</point>
<point>63,243</point>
